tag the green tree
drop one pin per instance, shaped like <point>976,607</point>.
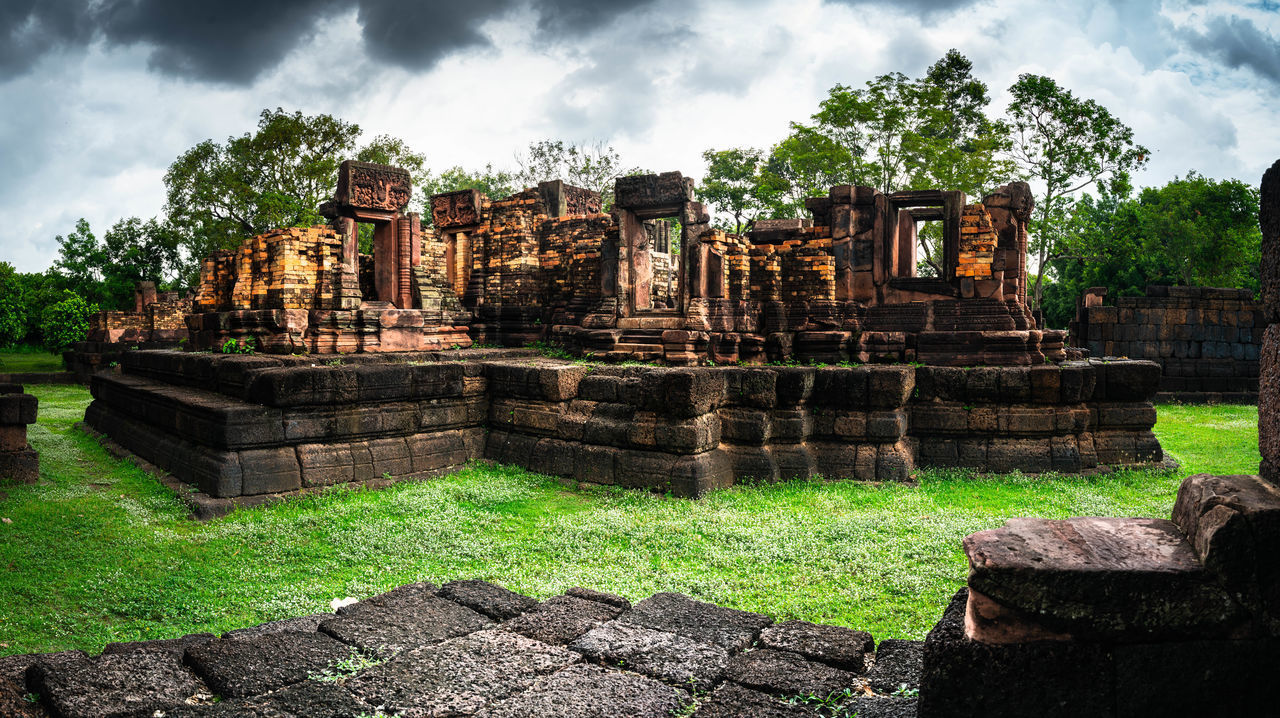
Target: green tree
<point>13,310</point>
<point>594,166</point>
<point>81,260</point>
<point>955,145</point>
<point>1206,230</point>
<point>65,322</point>
<point>1067,145</point>
<point>493,182</point>
<point>732,183</point>
<point>37,291</point>
<point>105,271</point>
<point>136,251</point>
<point>895,134</point>
<point>1191,231</point>
<point>804,164</point>
<point>219,194</point>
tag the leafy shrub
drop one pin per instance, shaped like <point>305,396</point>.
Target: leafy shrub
<point>66,322</point>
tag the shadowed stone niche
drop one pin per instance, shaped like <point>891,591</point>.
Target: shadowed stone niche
<point>1129,616</point>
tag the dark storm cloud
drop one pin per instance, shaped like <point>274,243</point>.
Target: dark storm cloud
<point>234,41</point>
<point>1237,42</point>
<point>230,41</point>
<point>36,27</point>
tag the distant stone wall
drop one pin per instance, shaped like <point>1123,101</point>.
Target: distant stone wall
<point>257,425</point>
<point>1207,340</point>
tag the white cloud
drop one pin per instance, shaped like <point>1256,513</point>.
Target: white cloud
<point>96,126</point>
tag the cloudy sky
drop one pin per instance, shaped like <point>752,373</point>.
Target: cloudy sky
<point>100,96</point>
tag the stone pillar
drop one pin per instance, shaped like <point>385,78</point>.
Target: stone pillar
<point>404,262</point>
<point>143,296</point>
<point>18,461</point>
<point>1269,369</point>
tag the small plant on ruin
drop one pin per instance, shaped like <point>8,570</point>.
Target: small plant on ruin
<point>344,668</point>
<point>550,349</point>
<point>906,692</point>
<point>32,698</point>
<point>334,362</point>
<point>234,346</point>
<point>830,702</point>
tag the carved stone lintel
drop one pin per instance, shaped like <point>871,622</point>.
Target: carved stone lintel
<point>369,186</point>
<point>455,209</point>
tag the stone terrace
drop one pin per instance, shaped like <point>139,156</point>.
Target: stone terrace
<point>241,428</point>
<point>471,648</point>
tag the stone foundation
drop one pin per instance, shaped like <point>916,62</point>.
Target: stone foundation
<point>471,648</point>
<point>242,426</point>
<point>18,461</point>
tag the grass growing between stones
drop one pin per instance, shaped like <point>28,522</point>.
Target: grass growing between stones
<point>98,551</point>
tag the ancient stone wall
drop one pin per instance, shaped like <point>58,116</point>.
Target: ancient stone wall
<point>254,425</point>
<point>158,321</point>
<point>1206,339</point>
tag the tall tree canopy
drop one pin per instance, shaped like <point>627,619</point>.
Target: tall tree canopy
<point>219,194</point>
<point>733,184</point>
<point>593,165</point>
<point>894,133</point>
<point>1065,145</point>
<point>1192,231</point>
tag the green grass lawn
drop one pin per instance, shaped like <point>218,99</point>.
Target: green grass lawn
<point>98,551</point>
<point>29,359</point>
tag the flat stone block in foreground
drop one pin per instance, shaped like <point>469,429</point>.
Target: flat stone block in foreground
<point>460,676</point>
<point>115,686</point>
<point>674,659</point>
<point>592,692</point>
<point>706,622</point>
<point>1091,578</point>
<point>239,667</point>
<point>408,617</point>
<point>839,647</point>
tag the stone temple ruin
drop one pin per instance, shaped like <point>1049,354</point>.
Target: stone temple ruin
<point>364,372</point>
<point>158,321</point>
<point>306,290</point>
<point>1123,617</point>
<point>546,264</point>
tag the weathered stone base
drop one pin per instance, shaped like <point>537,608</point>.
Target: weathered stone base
<point>18,461</point>
<point>471,648</point>
<point>238,426</point>
<point>84,359</point>
<point>21,466</point>
<point>293,331</point>
<point>650,340</point>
